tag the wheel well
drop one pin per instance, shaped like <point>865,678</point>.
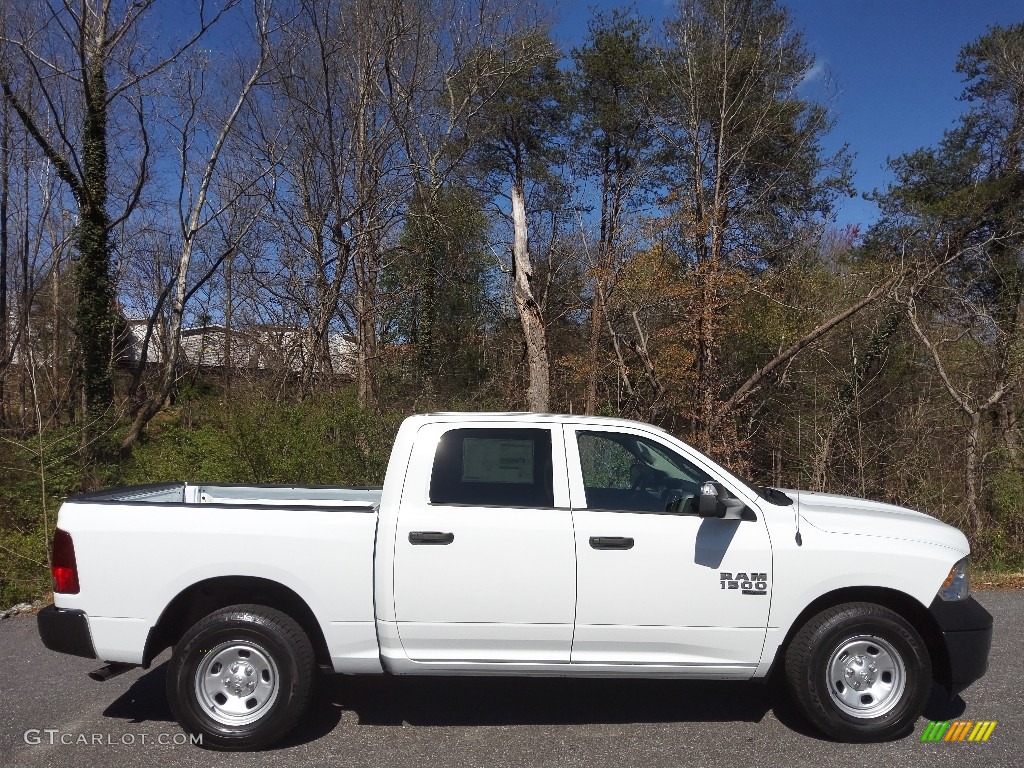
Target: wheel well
<point>205,597</point>
<point>906,606</point>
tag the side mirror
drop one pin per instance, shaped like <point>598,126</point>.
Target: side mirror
<point>716,501</point>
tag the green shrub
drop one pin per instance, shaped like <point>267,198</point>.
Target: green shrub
<point>1002,541</point>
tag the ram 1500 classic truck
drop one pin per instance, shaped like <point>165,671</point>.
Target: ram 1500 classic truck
<point>517,544</point>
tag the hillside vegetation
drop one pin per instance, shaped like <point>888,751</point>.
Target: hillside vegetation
<point>242,246</point>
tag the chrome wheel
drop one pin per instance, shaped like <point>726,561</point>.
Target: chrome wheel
<point>237,682</point>
<point>865,676</point>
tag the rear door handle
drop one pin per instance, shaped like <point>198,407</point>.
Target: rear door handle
<point>611,542</point>
<point>430,537</point>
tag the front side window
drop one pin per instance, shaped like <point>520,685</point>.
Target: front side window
<point>493,467</point>
<point>627,472</point>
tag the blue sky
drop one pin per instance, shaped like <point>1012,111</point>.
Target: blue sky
<point>885,68</point>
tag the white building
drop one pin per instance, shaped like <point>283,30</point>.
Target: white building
<point>260,348</point>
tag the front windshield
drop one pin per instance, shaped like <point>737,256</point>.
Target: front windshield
<point>663,456</point>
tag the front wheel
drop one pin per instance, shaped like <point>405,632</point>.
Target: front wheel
<point>241,677</point>
<point>859,672</point>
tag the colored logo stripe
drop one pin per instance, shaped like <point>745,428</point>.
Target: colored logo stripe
<point>934,731</point>
<point>958,730</point>
<point>982,731</point>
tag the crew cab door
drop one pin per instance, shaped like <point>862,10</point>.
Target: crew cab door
<point>485,566</point>
<point>653,586</point>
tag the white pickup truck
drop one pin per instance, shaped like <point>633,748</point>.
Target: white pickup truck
<point>517,544</point>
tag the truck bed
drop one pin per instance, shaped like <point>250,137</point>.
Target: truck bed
<point>141,547</point>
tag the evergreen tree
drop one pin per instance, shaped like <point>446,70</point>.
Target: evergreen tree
<point>612,87</point>
<point>748,172</point>
<point>437,290</point>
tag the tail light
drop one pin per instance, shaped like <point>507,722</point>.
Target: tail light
<point>65,569</point>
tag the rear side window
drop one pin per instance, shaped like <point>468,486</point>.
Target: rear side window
<point>493,467</point>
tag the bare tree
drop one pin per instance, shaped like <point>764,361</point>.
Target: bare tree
<point>5,196</point>
<point>346,178</point>
<point>198,209</point>
<point>35,253</point>
<point>970,349</point>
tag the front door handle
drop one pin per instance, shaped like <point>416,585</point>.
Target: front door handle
<point>611,542</point>
<point>430,537</point>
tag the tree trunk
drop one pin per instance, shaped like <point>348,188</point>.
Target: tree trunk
<point>593,345</point>
<point>155,402</point>
<point>228,309</point>
<point>94,324</point>
<point>538,395</point>
<point>5,188</point>
<point>971,471</point>
<point>1007,428</point>
<point>366,328</point>
<point>604,246</point>
<point>708,410</point>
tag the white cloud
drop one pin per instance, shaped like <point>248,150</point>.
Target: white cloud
<point>815,73</point>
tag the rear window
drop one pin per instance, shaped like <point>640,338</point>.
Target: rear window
<point>493,467</point>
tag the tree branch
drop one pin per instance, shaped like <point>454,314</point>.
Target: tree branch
<point>60,163</point>
<point>747,388</point>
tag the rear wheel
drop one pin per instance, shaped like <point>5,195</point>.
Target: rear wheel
<point>859,672</point>
<point>241,677</point>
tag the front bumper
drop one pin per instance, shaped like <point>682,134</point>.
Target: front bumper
<point>65,631</point>
<point>966,629</point>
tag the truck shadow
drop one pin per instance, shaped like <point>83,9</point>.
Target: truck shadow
<point>468,701</point>
<point>146,701</point>
<point>457,701</point>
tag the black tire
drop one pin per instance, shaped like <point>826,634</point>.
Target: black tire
<point>859,672</point>
<point>241,677</point>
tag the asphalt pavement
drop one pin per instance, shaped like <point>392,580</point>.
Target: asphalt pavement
<point>51,714</point>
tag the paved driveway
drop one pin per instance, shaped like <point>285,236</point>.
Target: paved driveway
<point>392,722</point>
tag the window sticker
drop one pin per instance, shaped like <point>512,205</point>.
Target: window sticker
<point>494,460</point>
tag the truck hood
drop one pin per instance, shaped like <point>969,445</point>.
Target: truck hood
<point>847,514</point>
